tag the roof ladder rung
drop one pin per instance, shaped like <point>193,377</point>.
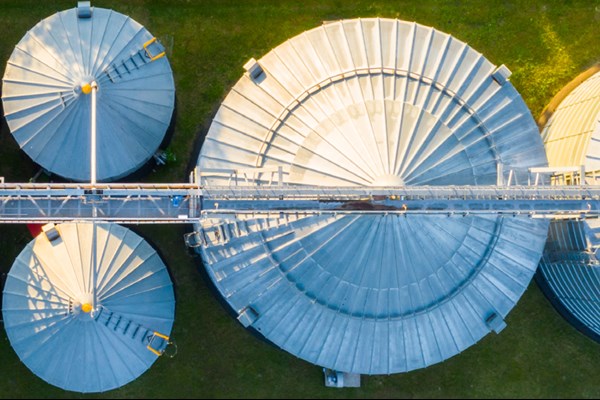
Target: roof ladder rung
<point>112,73</point>
<point>108,319</point>
<point>126,327</point>
<point>139,59</point>
<point>117,324</point>
<point>137,328</point>
<point>123,63</point>
<point>123,69</point>
<point>130,65</point>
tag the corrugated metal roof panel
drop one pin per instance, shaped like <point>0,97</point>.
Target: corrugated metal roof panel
<point>382,102</point>
<point>571,270</point>
<point>50,117</point>
<point>571,134</point>
<point>51,283</point>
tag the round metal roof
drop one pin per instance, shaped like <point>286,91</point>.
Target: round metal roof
<point>572,135</point>
<point>372,102</point>
<point>83,302</point>
<point>48,113</point>
<point>570,269</point>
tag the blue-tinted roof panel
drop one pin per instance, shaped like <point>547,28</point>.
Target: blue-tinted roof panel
<point>571,270</point>
<point>371,102</point>
<point>108,269</point>
<point>48,114</point>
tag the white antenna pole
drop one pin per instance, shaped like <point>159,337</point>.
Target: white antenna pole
<point>94,86</point>
<point>94,268</point>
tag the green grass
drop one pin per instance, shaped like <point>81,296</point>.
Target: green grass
<point>544,43</point>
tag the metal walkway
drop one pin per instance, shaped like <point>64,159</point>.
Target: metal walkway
<point>189,203</point>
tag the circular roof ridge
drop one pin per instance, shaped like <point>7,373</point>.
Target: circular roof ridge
<point>361,102</point>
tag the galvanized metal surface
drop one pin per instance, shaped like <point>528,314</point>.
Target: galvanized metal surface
<point>189,203</point>
<point>373,294</point>
<point>126,286</point>
<point>571,268</point>
<point>572,135</point>
<point>371,103</point>
<point>48,111</point>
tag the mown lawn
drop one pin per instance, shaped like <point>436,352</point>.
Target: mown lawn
<point>544,43</point>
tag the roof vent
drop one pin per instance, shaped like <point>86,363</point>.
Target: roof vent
<point>248,316</point>
<point>51,232</point>
<point>495,323</point>
<point>501,74</point>
<point>84,9</point>
<point>254,69</point>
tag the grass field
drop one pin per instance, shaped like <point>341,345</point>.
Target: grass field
<point>539,355</point>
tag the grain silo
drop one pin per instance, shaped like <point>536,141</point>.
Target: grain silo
<point>371,102</point>
<point>572,134</point>
<point>46,87</point>
<point>569,273</point>
<point>88,307</point>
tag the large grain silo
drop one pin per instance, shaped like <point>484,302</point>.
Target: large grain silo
<point>88,307</point>
<point>371,102</point>
<point>46,86</point>
<point>569,273</point>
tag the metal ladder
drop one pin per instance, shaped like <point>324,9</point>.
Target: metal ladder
<point>152,50</point>
<point>154,341</point>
